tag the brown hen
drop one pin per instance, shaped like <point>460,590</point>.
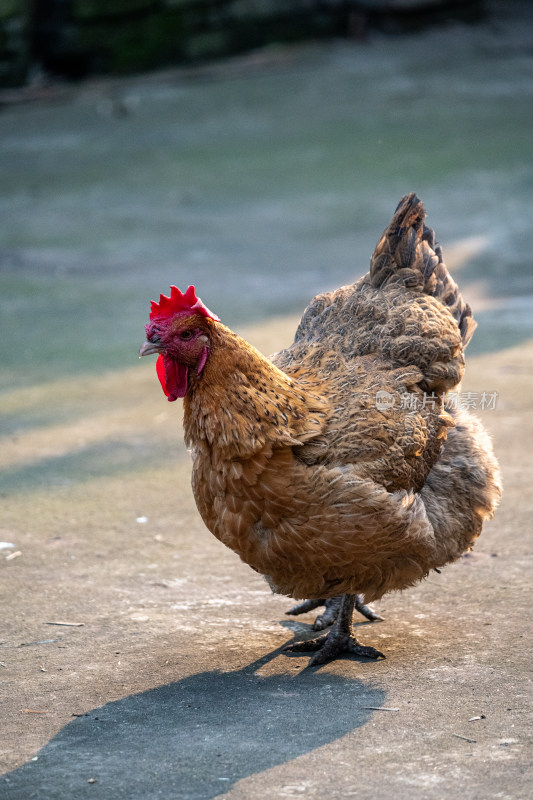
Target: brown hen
<point>334,468</point>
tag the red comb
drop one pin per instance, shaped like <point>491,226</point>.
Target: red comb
<point>168,306</point>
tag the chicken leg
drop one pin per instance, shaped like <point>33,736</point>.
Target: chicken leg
<point>339,640</point>
<point>331,611</point>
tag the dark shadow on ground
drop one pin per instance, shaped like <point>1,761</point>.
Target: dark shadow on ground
<point>194,738</point>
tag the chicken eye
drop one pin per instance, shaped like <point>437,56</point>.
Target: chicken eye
<point>187,334</point>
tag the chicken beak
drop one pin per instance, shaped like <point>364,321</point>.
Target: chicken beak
<point>147,348</point>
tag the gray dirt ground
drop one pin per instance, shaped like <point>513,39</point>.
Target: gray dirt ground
<point>264,181</point>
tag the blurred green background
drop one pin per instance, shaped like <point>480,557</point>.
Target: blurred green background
<point>75,38</point>
<point>263,179</point>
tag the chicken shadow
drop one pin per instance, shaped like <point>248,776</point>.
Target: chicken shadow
<point>194,738</point>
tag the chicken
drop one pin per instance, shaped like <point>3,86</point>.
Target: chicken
<point>335,468</point>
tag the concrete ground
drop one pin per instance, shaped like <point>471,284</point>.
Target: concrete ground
<point>139,657</point>
<point>171,681</point>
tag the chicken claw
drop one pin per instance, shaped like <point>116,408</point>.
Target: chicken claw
<point>331,646</point>
<point>331,612</point>
<point>340,638</point>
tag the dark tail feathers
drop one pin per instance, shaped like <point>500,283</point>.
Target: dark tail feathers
<point>407,251</point>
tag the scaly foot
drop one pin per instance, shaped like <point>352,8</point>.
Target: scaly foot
<point>333,645</point>
<point>339,640</point>
<point>331,612</point>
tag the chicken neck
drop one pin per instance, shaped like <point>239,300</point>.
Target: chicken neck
<point>241,401</point>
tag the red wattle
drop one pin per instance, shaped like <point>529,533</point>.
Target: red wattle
<point>172,377</point>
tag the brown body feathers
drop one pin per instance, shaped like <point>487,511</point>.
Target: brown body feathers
<point>335,467</point>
